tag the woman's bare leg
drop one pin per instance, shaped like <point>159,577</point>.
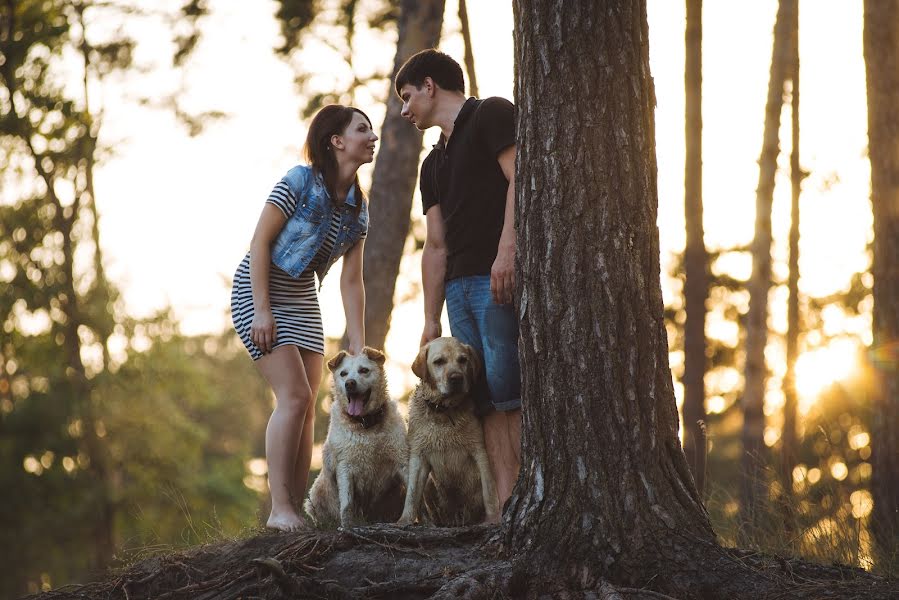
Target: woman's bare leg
<point>285,371</point>
<point>313,364</point>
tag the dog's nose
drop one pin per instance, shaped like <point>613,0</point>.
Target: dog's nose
<point>456,379</point>
<point>350,385</point>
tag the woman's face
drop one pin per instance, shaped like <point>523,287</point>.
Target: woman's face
<point>357,143</point>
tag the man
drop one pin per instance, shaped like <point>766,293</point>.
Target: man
<point>468,196</point>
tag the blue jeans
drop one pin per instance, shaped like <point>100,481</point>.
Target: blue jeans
<point>492,330</point>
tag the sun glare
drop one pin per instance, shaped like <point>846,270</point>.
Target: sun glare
<point>819,368</point>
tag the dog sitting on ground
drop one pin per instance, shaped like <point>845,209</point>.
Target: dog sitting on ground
<point>446,441</point>
<point>365,455</point>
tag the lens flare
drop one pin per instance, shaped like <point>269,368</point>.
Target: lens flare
<point>818,369</point>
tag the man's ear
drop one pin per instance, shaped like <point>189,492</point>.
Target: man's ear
<point>375,355</point>
<point>430,86</point>
<point>336,360</point>
<point>420,365</point>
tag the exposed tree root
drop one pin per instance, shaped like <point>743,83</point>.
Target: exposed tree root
<point>388,562</point>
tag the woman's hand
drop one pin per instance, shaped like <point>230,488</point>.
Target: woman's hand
<point>263,330</point>
<point>355,348</point>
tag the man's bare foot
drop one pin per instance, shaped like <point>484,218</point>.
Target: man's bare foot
<point>285,521</point>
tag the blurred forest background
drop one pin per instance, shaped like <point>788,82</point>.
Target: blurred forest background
<point>123,433</point>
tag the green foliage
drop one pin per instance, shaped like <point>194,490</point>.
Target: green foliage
<point>294,16</point>
<point>335,25</point>
<point>186,41</point>
<point>182,418</point>
<point>115,434</point>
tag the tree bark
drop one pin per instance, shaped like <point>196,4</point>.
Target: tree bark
<point>395,173</point>
<point>789,443</point>
<point>469,50</point>
<point>604,483</point>
<point>881,47</point>
<point>695,258</point>
<point>753,487</point>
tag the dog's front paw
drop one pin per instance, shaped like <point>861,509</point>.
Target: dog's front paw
<point>405,520</point>
<point>492,519</point>
<point>348,519</point>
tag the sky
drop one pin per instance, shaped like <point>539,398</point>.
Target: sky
<point>178,212</point>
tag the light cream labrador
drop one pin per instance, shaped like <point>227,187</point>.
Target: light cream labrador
<point>448,464</point>
<point>365,455</point>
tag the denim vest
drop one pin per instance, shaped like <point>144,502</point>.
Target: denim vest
<point>307,228</point>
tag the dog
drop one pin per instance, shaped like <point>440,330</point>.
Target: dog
<point>364,458</point>
<point>448,464</point>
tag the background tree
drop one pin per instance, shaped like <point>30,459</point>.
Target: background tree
<point>469,50</point>
<point>395,174</point>
<point>753,486</point>
<point>335,26</point>
<point>695,257</point>
<point>881,47</point>
<point>45,228</point>
<point>788,446</point>
<point>80,425</point>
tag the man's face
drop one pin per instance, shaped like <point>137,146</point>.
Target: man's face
<point>417,103</point>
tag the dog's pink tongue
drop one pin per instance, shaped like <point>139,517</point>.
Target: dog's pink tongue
<point>355,408</point>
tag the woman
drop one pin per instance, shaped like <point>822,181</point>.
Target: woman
<point>315,215</point>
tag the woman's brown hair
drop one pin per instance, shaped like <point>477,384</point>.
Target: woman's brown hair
<point>331,120</point>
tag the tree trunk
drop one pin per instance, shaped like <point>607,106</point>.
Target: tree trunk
<point>788,447</point>
<point>695,259</point>
<point>753,486</point>
<point>604,483</point>
<point>395,173</point>
<point>469,50</point>
<point>101,285</point>
<point>881,46</point>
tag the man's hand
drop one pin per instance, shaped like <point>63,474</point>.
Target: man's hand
<point>432,331</point>
<point>502,275</point>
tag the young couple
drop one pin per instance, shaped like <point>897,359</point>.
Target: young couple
<point>318,213</point>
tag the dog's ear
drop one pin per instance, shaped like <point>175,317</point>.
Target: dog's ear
<point>474,362</point>
<point>336,360</point>
<point>420,365</point>
<point>375,355</point>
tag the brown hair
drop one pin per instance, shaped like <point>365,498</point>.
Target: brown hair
<point>331,120</point>
<point>433,63</point>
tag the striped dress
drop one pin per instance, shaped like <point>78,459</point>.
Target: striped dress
<point>294,302</point>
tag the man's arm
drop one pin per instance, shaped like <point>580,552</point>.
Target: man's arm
<point>433,271</point>
<point>502,275</point>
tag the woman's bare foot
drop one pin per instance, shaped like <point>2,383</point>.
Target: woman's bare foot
<point>285,521</point>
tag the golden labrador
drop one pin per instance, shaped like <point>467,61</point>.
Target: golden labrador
<point>448,463</point>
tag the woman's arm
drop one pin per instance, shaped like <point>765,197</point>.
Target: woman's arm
<point>352,289</point>
<point>262,330</point>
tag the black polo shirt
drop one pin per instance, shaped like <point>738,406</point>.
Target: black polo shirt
<point>464,177</point>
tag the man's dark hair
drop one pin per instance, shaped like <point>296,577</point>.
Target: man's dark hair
<point>432,63</point>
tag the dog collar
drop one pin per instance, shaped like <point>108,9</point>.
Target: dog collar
<point>368,421</point>
<point>439,408</point>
